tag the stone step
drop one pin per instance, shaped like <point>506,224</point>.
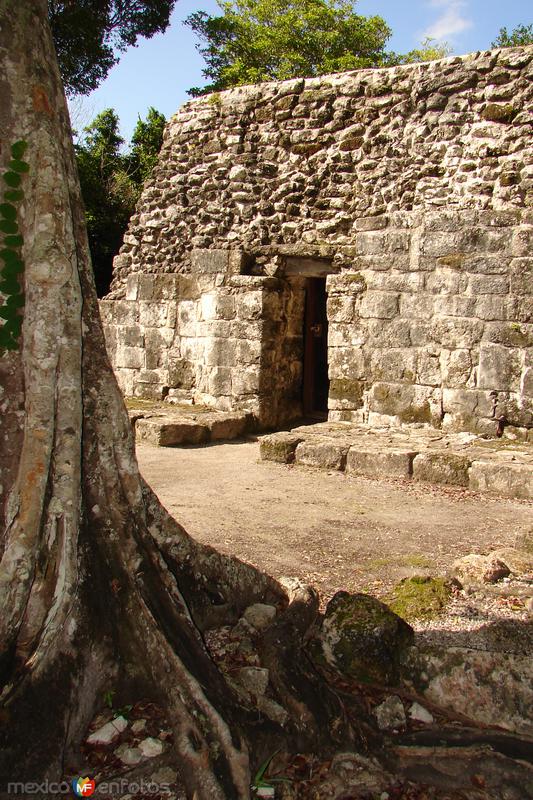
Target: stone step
<point>494,466</point>
<point>171,430</point>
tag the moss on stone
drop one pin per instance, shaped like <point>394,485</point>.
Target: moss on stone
<point>414,413</point>
<point>361,637</point>
<point>453,261</point>
<point>494,112</point>
<point>346,389</point>
<point>420,597</point>
<point>279,448</point>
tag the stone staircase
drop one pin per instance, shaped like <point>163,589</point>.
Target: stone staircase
<point>498,466</point>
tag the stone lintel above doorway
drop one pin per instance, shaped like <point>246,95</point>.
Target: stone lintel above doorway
<point>308,267</point>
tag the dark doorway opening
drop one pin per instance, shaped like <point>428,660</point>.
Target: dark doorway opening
<point>315,361</point>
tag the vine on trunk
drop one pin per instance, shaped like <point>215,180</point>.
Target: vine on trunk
<point>13,267</point>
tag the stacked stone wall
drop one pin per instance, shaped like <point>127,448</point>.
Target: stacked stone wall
<point>412,185</point>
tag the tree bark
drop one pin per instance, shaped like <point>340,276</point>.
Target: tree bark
<point>97,582</point>
<point>99,586</point>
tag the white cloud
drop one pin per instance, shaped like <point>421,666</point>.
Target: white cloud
<point>451,21</point>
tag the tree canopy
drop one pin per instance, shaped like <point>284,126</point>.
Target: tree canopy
<point>521,35</point>
<point>89,33</point>
<point>111,181</point>
<point>430,50</point>
<point>260,40</point>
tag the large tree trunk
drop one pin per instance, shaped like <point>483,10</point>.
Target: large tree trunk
<point>98,584</point>
<point>99,587</point>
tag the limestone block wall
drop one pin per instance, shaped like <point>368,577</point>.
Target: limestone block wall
<point>412,185</point>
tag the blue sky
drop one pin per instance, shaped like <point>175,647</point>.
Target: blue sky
<point>159,71</point>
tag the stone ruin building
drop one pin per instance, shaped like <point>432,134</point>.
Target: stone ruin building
<point>357,245</point>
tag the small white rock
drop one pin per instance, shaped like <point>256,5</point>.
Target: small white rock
<point>420,714</point>
<point>129,755</point>
<point>260,615</point>
<point>164,775</point>
<point>390,714</point>
<point>254,679</point>
<point>150,748</point>
<point>138,726</point>
<point>108,732</point>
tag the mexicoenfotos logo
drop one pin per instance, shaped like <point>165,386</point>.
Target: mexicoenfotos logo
<point>83,787</point>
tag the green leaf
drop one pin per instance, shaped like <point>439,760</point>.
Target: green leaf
<point>12,179</point>
<point>5,312</point>
<point>15,301</point>
<point>18,149</point>
<point>7,341</point>
<point>8,211</point>
<point>14,241</point>
<point>14,195</point>
<point>12,269</point>
<point>8,226</point>
<point>8,255</point>
<point>10,286</point>
<point>19,166</point>
<point>14,325</point>
<point>259,775</point>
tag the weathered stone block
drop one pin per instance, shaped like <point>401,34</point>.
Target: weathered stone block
<point>448,468</point>
<point>322,454</point>
<point>350,283</point>
<point>346,363</point>
<point>499,368</point>
<point>391,364</point>
<point>181,373</point>
<point>456,332</point>
<point>280,447</point>
<point>417,305</point>
<point>245,381</point>
<point>130,357</point>
<point>386,333</point>
<point>210,260</point>
<point>170,434</point>
<point>220,381</point>
<point>131,335</point>
<point>456,367</point>
<point>230,426</point>
<point>220,352</point>
<point>443,281</point>
<point>249,305</point>
<point>345,393</point>
<point>362,638</point>
<point>505,480</point>
<point>120,312</point>
<point>371,223</point>
<point>490,308</point>
<point>410,404</point>
<point>510,334</point>
<point>155,315</point>
<point>379,305</point>
<point>380,464</point>
<point>521,276</point>
<point>488,284</point>
<point>341,309</point>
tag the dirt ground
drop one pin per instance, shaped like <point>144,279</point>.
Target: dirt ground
<point>332,530</point>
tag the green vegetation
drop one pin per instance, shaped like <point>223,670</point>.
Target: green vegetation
<point>10,253</point>
<point>420,598</point>
<point>429,50</point>
<point>521,35</point>
<point>111,182</point>
<point>261,40</point>
<point>89,33</point>
<point>414,560</point>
